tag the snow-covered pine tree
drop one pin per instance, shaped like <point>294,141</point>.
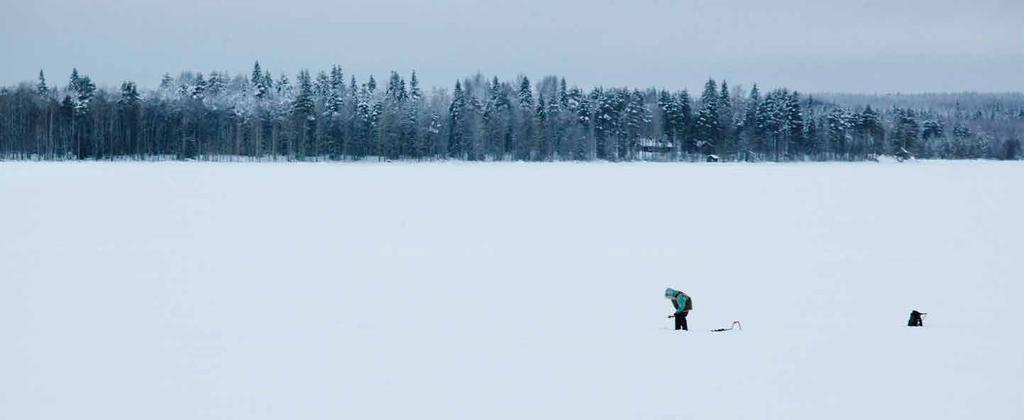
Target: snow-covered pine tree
<point>753,136</point>
<point>81,91</point>
<point>321,86</point>
<point>268,82</point>
<point>767,124</point>
<point>635,118</point>
<point>563,95</point>
<point>215,84</point>
<point>335,92</point>
<point>363,123</point>
<point>41,88</point>
<point>456,124</point>
<point>304,114</point>
<point>257,80</point>
<point>543,151</point>
<point>874,132</point>
<point>129,120</point>
<point>525,121</point>
<point>708,123</point>
<point>606,118</point>
<point>686,121</point>
<point>726,144</point>
<point>906,132</point>
<point>198,90</point>
<point>581,134</point>
<point>795,128</point>
<point>283,86</point>
<point>498,121</point>
<point>837,125</point>
<point>411,119</point>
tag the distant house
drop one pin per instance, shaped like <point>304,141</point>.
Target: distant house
<point>714,158</point>
<point>651,149</point>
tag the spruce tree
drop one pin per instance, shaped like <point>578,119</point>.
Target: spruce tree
<point>41,88</point>
<point>129,113</point>
<point>708,123</point>
<point>752,134</point>
<point>411,124</point>
<point>906,132</point>
<point>543,136</point>
<point>636,117</point>
<point>525,130</point>
<point>606,118</point>
<point>198,91</point>
<point>874,132</point>
<point>363,123</point>
<point>768,124</point>
<point>335,92</point>
<point>563,95</point>
<point>837,123</point>
<point>268,81</point>
<point>82,90</point>
<point>725,108</point>
<point>415,93</point>
<point>283,86</point>
<point>304,113</point>
<point>795,126</point>
<point>525,93</point>
<point>321,86</point>
<point>257,80</point>
<point>686,124</point>
<point>215,84</point>
<point>456,124</point>
<point>669,117</point>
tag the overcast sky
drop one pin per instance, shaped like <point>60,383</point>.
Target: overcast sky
<point>809,45</point>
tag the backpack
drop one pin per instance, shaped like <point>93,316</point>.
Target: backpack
<point>689,302</point>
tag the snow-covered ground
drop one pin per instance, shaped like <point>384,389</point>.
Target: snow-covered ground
<point>510,291</point>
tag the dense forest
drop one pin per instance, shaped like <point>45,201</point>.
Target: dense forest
<point>327,116</point>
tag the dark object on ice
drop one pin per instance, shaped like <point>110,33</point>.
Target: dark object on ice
<point>683,304</point>
<point>916,319</point>
<point>735,324</point>
<point>713,158</point>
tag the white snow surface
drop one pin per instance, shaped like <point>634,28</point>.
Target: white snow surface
<point>510,291</point>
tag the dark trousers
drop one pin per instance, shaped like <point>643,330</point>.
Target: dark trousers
<point>681,321</point>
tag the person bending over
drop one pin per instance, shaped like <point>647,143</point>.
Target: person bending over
<point>683,304</point>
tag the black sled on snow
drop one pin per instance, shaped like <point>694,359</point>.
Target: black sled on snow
<point>735,324</point>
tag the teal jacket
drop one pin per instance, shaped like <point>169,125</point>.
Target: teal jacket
<point>679,299</point>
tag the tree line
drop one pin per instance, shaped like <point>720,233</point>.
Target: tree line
<point>327,116</point>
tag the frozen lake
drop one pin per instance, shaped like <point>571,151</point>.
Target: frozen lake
<point>510,291</point>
